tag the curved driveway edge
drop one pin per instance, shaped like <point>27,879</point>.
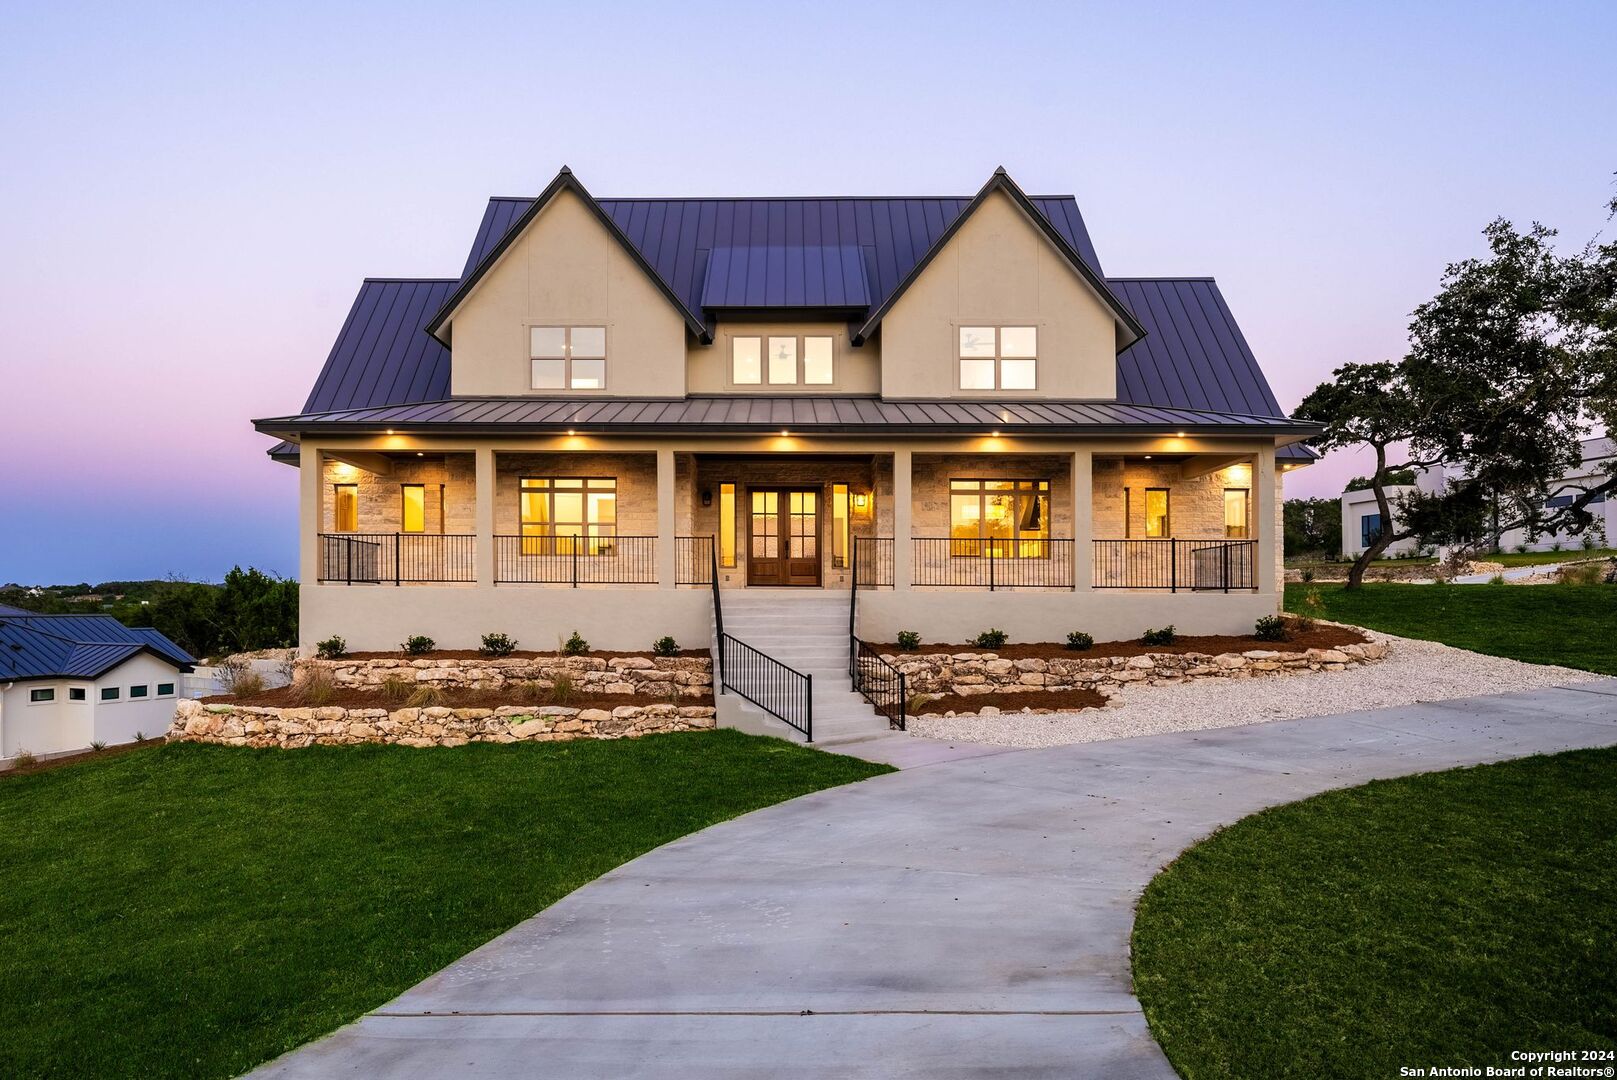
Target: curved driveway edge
<point>967,919</point>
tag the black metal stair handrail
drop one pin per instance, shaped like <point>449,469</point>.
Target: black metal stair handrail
<point>882,684</point>
<point>781,691</point>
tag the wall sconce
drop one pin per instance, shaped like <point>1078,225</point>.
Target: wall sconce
<point>861,500</point>
<point>707,496</point>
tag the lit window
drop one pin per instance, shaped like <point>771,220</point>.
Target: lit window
<point>75,693</point>
<point>165,689</point>
<point>414,514</point>
<point>347,513</point>
<point>999,357</point>
<point>746,361</point>
<point>139,691</point>
<point>1128,507</point>
<point>1157,525</point>
<point>783,360</point>
<point>568,515</point>
<point>109,693</point>
<point>727,523</point>
<point>839,524</point>
<point>41,695</point>
<point>1235,513</point>
<point>568,357</point>
<point>1000,518</point>
<point>817,361</point>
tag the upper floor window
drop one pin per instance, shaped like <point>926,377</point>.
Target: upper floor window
<point>568,357</point>
<point>784,360</point>
<point>999,357</point>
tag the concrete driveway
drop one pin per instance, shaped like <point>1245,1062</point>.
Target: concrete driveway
<point>963,919</point>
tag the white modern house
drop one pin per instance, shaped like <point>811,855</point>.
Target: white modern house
<point>1361,517</point>
<point>67,681</point>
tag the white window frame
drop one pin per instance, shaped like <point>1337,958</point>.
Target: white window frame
<point>567,357</point>
<point>173,689</point>
<point>47,701</point>
<point>800,374</point>
<point>998,359</point>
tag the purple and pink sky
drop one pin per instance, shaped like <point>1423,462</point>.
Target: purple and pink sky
<point>191,194</point>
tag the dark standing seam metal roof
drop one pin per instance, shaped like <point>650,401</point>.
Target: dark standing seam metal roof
<point>76,646</point>
<point>763,276</point>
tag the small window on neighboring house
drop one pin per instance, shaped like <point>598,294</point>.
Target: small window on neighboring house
<point>568,357</point>
<point>999,357</point>
<point>139,691</point>
<point>1235,513</point>
<point>75,693</point>
<point>109,693</point>
<point>1157,523</point>
<point>165,689</point>
<point>1369,529</point>
<point>413,514</point>
<point>839,524</point>
<point>36,696</point>
<point>727,524</point>
<point>347,507</point>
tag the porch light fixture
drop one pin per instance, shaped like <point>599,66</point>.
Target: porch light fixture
<point>784,433</point>
<point>1179,434</point>
<point>570,431</point>
<point>1148,457</point>
<point>860,500</point>
<point>707,496</point>
<point>389,431</point>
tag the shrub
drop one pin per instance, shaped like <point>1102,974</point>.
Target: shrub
<point>909,640</point>
<point>497,645</point>
<point>1165,636</point>
<point>1497,579</point>
<point>397,689</point>
<point>333,648</point>
<point>562,689</point>
<point>1307,575</point>
<point>314,689</point>
<point>917,702</point>
<point>98,745</point>
<point>1557,546</point>
<point>1313,606</point>
<point>1077,639</point>
<point>418,645</point>
<point>24,759</point>
<point>989,639</point>
<point>1521,549</point>
<point>1589,573</point>
<point>532,693</point>
<point>1588,541</point>
<point>238,677</point>
<point>1611,572</point>
<point>426,696</point>
<point>1270,628</point>
<point>140,736</point>
<point>665,646</point>
<point>575,646</point>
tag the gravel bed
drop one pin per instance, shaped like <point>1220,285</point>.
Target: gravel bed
<point>1414,671</point>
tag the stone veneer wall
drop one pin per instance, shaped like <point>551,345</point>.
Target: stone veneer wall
<point>969,674</point>
<point>381,502</point>
<point>589,674</point>
<point>261,726</point>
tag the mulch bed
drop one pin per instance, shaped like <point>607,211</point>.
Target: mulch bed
<point>1065,700</point>
<point>283,697</point>
<point>520,654</point>
<point>42,764</point>
<point>1321,637</point>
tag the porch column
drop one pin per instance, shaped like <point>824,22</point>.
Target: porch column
<point>485,517</point>
<point>1263,517</point>
<point>666,555</point>
<point>902,475</point>
<point>1083,519</point>
<point>311,465</point>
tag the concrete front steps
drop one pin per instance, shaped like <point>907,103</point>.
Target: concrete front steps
<point>805,629</point>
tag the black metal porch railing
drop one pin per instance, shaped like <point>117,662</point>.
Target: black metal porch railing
<point>694,560</point>
<point>575,560</point>
<point>882,684</point>
<point>397,558</point>
<point>872,561</point>
<point>1192,565</point>
<point>984,563</point>
<point>785,693</point>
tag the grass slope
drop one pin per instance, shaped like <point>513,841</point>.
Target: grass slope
<point>1445,919</point>
<point>194,910</point>
<point>1573,625</point>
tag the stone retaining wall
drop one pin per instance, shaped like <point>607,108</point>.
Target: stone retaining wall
<point>589,674</point>
<point>966,674</point>
<point>254,725</point>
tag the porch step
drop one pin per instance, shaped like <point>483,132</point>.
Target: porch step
<point>807,630</point>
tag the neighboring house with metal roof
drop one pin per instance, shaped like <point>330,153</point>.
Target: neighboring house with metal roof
<point>619,401</point>
<point>67,681</point>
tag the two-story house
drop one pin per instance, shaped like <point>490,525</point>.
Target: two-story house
<point>619,399</point>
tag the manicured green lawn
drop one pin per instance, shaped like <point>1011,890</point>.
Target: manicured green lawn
<point>1445,919</point>
<point>191,911</point>
<point>1542,558</point>
<point>1572,625</point>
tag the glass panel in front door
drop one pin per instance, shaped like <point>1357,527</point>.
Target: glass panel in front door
<point>804,528</point>
<point>765,524</point>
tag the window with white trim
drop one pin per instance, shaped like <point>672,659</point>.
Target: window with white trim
<point>36,697</point>
<point>568,357</point>
<point>999,357</point>
<point>782,360</point>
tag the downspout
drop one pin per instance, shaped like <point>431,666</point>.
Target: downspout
<point>4,690</point>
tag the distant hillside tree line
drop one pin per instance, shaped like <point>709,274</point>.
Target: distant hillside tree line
<point>1313,527</point>
<point>248,610</point>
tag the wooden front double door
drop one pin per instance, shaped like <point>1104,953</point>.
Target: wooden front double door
<point>783,529</point>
